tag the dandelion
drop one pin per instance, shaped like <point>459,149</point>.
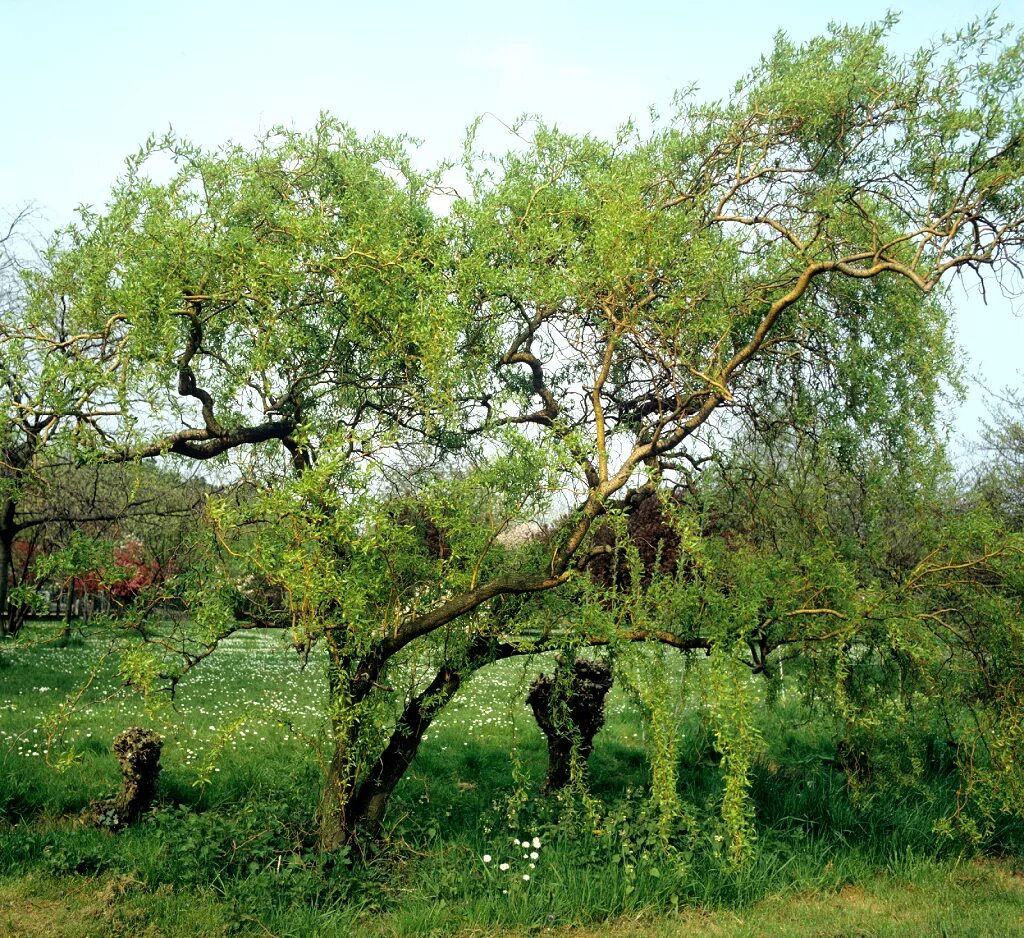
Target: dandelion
<point>487,858</point>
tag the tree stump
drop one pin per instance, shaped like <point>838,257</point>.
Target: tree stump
<point>138,754</point>
<point>854,760</point>
<point>569,707</point>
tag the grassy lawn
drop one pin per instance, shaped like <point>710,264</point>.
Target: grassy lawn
<point>228,849</point>
<point>975,899</point>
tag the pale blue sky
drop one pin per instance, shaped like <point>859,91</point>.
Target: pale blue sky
<point>84,84</point>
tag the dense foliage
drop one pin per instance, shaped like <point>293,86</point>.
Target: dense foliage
<point>429,431</point>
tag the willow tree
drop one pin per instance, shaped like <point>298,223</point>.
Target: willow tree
<point>399,391</point>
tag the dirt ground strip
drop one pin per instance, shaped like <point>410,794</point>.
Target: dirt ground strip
<point>75,908</point>
<point>981,899</point>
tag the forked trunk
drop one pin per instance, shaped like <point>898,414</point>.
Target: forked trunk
<point>351,807</point>
<point>366,810</point>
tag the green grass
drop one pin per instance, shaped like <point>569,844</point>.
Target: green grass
<point>233,856</point>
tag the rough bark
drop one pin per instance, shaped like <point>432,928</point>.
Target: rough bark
<point>569,708</point>
<point>138,755</point>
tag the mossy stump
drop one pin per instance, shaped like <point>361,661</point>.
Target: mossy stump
<point>138,755</point>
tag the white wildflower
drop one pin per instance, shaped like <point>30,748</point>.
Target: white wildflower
<point>503,867</point>
<point>487,858</point>
<point>526,877</point>
<point>536,843</point>
<point>534,855</point>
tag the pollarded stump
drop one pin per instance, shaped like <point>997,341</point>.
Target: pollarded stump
<point>569,708</point>
<point>138,755</point>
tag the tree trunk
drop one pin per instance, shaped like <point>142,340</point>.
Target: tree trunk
<point>349,806</point>
<point>138,755</point>
<point>65,632</point>
<point>569,708</point>
<point>366,810</point>
<point>334,831</point>
<point>5,573</point>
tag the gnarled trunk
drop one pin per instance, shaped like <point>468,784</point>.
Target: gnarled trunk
<point>569,707</point>
<point>138,756</point>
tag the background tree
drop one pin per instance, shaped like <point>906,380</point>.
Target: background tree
<point>50,490</point>
<point>20,427</point>
<point>395,390</point>
<point>1001,476</point>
